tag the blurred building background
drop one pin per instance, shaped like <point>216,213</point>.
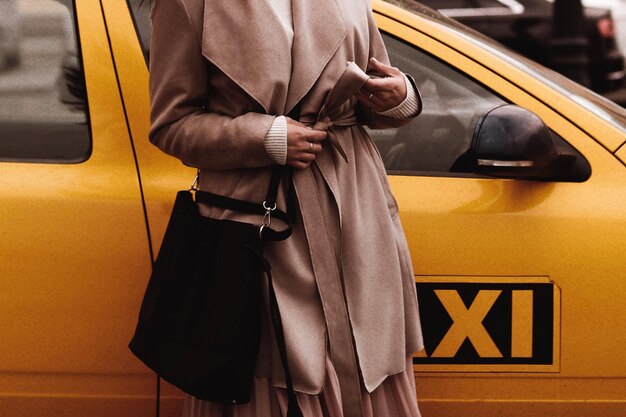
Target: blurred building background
<point>618,10</point>
<point>35,30</point>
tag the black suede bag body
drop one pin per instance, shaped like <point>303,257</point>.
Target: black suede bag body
<point>199,322</point>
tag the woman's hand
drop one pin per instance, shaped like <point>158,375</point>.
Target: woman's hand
<point>382,93</point>
<point>303,144</point>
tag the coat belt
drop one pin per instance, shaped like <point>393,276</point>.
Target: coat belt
<point>330,287</point>
<point>345,119</point>
<point>337,111</point>
<point>333,112</point>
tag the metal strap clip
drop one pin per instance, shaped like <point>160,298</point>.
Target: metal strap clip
<point>194,184</point>
<point>267,217</point>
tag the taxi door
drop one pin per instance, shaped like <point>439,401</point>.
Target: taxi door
<point>161,176</point>
<point>518,281</point>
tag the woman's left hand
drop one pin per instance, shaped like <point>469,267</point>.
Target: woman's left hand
<point>382,93</point>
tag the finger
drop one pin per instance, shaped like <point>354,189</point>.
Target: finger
<point>304,158</point>
<point>313,148</point>
<point>382,84</point>
<point>298,164</point>
<point>307,156</point>
<point>317,136</point>
<point>298,149</point>
<point>303,133</point>
<point>310,147</point>
<point>316,148</point>
<point>300,136</point>
<point>386,99</point>
<point>385,69</point>
<point>301,149</point>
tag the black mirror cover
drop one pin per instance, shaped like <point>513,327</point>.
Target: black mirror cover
<point>510,141</point>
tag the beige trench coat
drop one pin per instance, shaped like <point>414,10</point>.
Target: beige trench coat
<point>220,73</point>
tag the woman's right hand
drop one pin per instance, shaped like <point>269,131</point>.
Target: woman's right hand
<point>303,144</point>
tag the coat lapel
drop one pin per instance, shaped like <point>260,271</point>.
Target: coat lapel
<point>319,29</point>
<point>246,42</point>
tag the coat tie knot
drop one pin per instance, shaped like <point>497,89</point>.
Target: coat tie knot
<point>330,125</point>
<point>338,108</point>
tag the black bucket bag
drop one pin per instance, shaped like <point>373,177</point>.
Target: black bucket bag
<point>199,323</point>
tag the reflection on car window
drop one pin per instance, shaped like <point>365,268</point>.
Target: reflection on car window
<point>43,107</point>
<point>440,136</point>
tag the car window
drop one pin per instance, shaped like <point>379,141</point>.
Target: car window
<point>140,10</point>
<point>452,104</point>
<point>43,106</point>
<point>438,141</point>
<point>441,134</point>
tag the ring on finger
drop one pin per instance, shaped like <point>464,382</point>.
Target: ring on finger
<point>370,97</point>
<point>311,147</point>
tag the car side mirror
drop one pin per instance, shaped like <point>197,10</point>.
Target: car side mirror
<point>512,142</point>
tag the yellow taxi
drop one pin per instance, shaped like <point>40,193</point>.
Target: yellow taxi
<point>512,189</point>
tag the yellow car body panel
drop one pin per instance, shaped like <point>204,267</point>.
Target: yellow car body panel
<point>68,309</point>
<point>74,256</point>
<point>621,154</point>
<point>159,174</point>
<point>463,229</point>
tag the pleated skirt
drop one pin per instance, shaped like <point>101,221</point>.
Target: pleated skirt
<point>395,397</point>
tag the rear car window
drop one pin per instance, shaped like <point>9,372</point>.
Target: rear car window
<point>43,105</point>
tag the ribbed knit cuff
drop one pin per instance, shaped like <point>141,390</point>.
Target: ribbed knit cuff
<point>410,107</point>
<point>276,140</point>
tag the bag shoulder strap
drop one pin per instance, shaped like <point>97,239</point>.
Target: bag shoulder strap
<point>267,208</point>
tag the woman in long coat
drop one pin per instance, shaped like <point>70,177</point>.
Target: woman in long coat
<point>224,73</point>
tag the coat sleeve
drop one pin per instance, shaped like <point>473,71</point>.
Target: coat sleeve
<point>377,50</point>
<point>179,86</point>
